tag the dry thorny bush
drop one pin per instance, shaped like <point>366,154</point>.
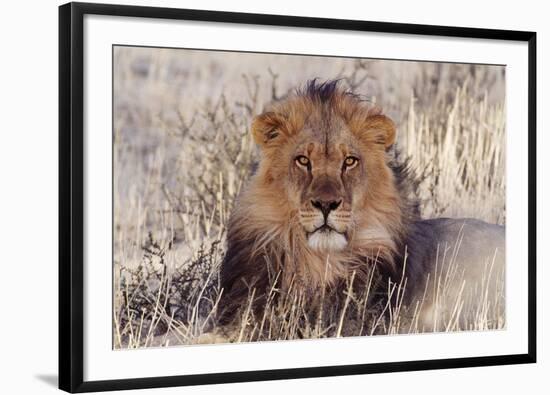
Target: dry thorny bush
<point>179,167</point>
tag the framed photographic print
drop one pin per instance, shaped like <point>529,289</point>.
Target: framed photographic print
<point>257,197</point>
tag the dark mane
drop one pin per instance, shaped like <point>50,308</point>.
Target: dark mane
<point>407,184</point>
<point>326,92</point>
<point>414,246</point>
<point>323,92</point>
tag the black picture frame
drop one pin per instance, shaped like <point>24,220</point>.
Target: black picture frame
<point>71,197</point>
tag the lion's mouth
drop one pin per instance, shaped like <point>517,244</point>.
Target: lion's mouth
<point>325,238</point>
<point>325,228</point>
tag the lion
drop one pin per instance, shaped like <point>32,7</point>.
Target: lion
<point>331,198</point>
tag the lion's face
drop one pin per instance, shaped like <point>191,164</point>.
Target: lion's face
<point>326,178</point>
<point>327,161</point>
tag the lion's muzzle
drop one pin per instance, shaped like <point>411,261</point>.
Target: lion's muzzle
<point>326,224</point>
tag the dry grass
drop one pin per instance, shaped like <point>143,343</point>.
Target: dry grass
<point>182,151</point>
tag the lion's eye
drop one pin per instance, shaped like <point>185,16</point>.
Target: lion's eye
<point>350,162</point>
<point>302,160</point>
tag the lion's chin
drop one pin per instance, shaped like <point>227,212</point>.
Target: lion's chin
<point>323,240</point>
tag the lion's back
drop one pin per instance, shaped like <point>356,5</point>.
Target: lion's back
<point>462,267</point>
<point>472,239</point>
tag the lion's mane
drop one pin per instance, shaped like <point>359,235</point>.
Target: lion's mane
<point>264,247</point>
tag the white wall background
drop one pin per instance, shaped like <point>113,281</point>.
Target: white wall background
<point>28,194</point>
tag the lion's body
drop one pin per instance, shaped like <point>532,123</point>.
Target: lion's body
<point>331,200</point>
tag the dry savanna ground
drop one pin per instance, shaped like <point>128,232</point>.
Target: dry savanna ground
<point>182,151</point>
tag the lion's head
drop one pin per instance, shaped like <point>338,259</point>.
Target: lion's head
<point>326,197</point>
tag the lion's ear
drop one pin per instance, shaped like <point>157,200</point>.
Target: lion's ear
<point>267,127</point>
<point>381,130</point>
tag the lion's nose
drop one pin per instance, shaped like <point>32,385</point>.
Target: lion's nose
<point>326,206</point>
